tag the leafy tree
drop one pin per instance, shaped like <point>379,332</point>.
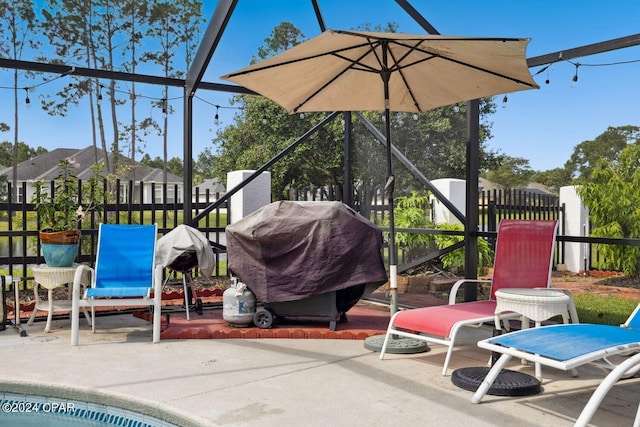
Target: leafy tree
<point>203,167</point>
<point>412,212</point>
<point>553,178</point>
<point>263,129</point>
<point>134,15</point>
<point>18,24</point>
<point>75,28</point>
<point>24,152</point>
<point>606,146</point>
<point>612,194</point>
<point>512,172</point>
<point>283,37</point>
<point>148,161</point>
<point>174,165</point>
<point>173,24</point>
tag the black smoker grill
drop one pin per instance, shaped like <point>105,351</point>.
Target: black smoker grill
<point>183,249</point>
<point>306,259</point>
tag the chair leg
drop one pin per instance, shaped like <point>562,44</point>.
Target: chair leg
<point>390,329</point>
<point>32,318</point>
<point>187,300</point>
<point>75,319</point>
<point>384,344</point>
<point>604,387</point>
<point>447,358</point>
<point>157,304</point>
<point>490,378</point>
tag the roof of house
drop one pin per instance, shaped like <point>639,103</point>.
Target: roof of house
<point>212,184</point>
<point>533,187</point>
<point>45,166</point>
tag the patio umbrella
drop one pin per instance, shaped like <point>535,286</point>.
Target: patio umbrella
<point>367,71</point>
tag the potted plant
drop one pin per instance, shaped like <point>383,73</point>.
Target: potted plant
<point>61,210</point>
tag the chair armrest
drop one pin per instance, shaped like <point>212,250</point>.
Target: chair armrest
<point>157,279</point>
<point>456,286</point>
<point>78,278</point>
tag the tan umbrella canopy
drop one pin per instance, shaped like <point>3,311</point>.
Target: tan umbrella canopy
<point>366,71</point>
<point>340,71</point>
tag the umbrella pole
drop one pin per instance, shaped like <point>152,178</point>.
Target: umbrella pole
<point>400,345</point>
<point>389,188</point>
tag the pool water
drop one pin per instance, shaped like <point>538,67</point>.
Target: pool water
<point>35,411</point>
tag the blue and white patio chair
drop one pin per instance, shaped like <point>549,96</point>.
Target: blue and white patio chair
<point>125,275</point>
<point>566,347</point>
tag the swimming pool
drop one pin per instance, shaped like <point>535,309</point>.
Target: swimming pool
<point>30,404</point>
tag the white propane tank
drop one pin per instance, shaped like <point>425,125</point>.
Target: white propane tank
<point>238,305</point>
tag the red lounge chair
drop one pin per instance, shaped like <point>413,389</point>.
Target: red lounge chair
<point>523,259</point>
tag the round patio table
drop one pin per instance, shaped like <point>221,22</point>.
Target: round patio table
<point>535,305</point>
<point>51,278</point>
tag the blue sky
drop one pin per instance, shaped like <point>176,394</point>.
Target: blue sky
<point>542,125</point>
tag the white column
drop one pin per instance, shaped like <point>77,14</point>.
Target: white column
<point>453,189</point>
<point>576,223</point>
<point>252,196</point>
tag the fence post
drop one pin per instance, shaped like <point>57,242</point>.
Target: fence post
<point>577,223</point>
<point>251,197</point>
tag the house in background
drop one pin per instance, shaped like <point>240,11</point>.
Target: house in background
<point>213,186</point>
<point>46,167</point>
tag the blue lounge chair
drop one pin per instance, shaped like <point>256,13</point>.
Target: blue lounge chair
<point>125,274</point>
<point>566,347</point>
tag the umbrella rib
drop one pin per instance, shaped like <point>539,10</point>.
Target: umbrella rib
<point>434,55</point>
<point>402,76</point>
<point>296,60</point>
<point>352,63</point>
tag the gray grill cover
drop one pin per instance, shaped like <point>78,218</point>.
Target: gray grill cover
<point>287,251</point>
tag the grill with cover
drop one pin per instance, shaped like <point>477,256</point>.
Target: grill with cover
<point>306,259</point>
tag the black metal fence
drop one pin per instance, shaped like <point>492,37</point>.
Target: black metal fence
<point>19,223</point>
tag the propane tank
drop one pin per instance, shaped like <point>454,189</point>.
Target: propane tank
<point>238,305</point>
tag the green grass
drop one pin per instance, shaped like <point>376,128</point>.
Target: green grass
<point>608,310</point>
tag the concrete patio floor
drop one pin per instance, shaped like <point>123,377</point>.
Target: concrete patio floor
<point>282,382</point>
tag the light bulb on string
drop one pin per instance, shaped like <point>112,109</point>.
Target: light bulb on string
<point>302,115</point>
<point>27,101</point>
<point>504,101</point>
<point>164,108</point>
<point>547,81</point>
<point>415,117</point>
<point>264,120</point>
<point>574,80</point>
<point>216,118</point>
<point>456,108</point>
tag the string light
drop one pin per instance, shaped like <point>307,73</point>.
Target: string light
<point>27,101</point>
<point>574,80</point>
<point>547,81</point>
<point>216,117</point>
<point>504,101</point>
